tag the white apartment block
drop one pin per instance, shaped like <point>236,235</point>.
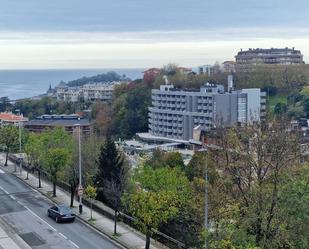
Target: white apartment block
<point>88,92</point>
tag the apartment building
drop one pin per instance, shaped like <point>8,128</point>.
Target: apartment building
<point>175,113</point>
<point>246,59</point>
<point>68,122</point>
<point>88,92</point>
<point>209,70</point>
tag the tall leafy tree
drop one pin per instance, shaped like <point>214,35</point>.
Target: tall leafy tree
<point>253,163</point>
<point>9,140</point>
<point>159,197</point>
<point>56,153</point>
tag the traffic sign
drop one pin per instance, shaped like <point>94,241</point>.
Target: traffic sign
<point>80,190</point>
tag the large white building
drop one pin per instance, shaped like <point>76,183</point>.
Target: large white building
<point>175,113</point>
<point>88,92</point>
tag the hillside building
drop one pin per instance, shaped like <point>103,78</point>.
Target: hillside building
<point>246,59</point>
<point>68,122</point>
<point>175,113</point>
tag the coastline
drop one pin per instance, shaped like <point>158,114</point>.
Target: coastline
<point>32,83</point>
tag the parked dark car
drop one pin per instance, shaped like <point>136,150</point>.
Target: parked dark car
<point>61,213</point>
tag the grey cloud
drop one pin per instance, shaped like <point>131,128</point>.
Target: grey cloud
<point>143,15</point>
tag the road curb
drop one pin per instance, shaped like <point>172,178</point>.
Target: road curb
<point>11,233</point>
<point>116,242</point>
<point>85,222</point>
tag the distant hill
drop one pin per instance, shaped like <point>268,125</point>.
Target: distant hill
<point>104,77</point>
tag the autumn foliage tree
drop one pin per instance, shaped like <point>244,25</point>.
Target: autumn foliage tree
<point>253,162</point>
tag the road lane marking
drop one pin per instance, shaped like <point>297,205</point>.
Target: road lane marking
<point>73,244</point>
<point>1,171</point>
<point>4,190</point>
<point>54,229</point>
<point>63,236</point>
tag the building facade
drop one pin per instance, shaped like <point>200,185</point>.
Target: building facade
<point>209,70</point>
<point>246,59</point>
<point>89,92</point>
<point>68,122</point>
<point>175,113</point>
<point>7,118</point>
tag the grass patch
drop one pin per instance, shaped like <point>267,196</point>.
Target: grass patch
<point>116,235</point>
<point>273,100</point>
<point>91,221</point>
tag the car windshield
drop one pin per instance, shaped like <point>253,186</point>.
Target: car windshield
<point>65,210</point>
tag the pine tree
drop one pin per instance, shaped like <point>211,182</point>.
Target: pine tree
<point>109,163</point>
<point>112,177</point>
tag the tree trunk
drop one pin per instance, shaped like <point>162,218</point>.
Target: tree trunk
<point>91,209</point>
<point>115,222</point>
<point>72,195</point>
<point>28,168</point>
<point>39,174</point>
<point>147,246</point>
<point>54,188</point>
<point>6,158</point>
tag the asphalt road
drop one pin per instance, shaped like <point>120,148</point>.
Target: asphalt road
<point>25,210</point>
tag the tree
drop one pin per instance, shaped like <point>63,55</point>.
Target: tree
<point>294,214</point>
<point>130,110</point>
<point>115,189</point>
<point>56,160</point>
<point>158,198</point>
<point>170,69</point>
<point>89,153</point>
<point>253,162</point>
<point>161,159</point>
<point>103,119</point>
<point>280,109</point>
<point>9,140</point>
<point>4,104</point>
<point>33,149</point>
<point>109,162</point>
<point>91,193</point>
<point>56,153</point>
<point>112,177</point>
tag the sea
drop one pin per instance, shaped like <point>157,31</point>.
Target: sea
<point>20,84</point>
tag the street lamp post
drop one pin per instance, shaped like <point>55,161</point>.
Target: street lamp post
<point>80,169</point>
<point>20,155</point>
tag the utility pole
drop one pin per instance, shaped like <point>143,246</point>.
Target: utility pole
<point>80,188</point>
<point>20,155</point>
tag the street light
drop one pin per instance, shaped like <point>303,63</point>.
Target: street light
<point>80,170</point>
<point>20,156</point>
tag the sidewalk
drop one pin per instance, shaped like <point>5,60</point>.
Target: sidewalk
<point>128,237</point>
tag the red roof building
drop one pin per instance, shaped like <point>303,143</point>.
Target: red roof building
<point>7,118</point>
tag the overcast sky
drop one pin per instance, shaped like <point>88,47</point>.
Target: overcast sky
<point>143,33</point>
